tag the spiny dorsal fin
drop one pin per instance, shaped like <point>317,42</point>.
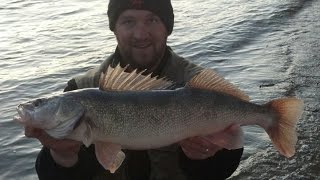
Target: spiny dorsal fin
<point>210,80</point>
<point>117,79</point>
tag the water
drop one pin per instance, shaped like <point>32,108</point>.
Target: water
<point>268,48</point>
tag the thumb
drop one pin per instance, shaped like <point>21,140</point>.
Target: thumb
<point>32,132</point>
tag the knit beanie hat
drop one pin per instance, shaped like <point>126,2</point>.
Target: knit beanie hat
<point>162,8</point>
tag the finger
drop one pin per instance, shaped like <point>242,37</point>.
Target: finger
<point>203,154</point>
<point>211,148</point>
<point>193,154</point>
<point>192,145</point>
<point>59,145</point>
<point>203,151</point>
<point>199,143</point>
<point>199,148</point>
<point>196,155</point>
<point>193,149</point>
<point>64,145</point>
<point>189,146</point>
<point>32,132</point>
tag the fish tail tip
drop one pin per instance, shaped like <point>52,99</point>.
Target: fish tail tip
<point>283,131</point>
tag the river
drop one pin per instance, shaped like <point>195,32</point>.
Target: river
<point>269,49</point>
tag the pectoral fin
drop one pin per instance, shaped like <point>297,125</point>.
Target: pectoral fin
<point>109,155</point>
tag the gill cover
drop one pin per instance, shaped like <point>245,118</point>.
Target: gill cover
<point>68,113</point>
<point>38,113</point>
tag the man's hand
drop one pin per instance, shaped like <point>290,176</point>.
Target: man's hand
<point>64,152</point>
<point>199,148</point>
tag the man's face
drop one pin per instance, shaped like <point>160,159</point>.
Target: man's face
<point>141,37</point>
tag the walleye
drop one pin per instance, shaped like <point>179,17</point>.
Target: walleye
<point>133,111</point>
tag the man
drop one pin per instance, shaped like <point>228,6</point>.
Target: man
<point>141,28</point>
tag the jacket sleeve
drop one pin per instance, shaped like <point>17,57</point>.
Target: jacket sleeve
<point>220,166</point>
<point>85,168</point>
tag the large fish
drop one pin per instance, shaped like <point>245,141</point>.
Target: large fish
<point>126,112</point>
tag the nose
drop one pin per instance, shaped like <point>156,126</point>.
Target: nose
<point>141,32</point>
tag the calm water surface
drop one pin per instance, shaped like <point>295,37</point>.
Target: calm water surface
<point>268,48</point>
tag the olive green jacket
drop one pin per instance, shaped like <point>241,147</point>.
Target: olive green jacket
<point>175,68</point>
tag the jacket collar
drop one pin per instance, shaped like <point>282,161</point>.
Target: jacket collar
<point>116,59</point>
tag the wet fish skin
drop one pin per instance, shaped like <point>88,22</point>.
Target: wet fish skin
<point>152,119</point>
<point>140,120</point>
<point>146,119</point>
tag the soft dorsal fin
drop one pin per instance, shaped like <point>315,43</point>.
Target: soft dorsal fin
<point>208,79</point>
<point>119,80</point>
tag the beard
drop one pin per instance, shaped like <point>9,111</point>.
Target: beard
<point>142,58</point>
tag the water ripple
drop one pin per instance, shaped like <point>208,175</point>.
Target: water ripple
<point>253,44</point>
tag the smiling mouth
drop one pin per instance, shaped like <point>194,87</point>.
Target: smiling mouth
<point>141,45</point>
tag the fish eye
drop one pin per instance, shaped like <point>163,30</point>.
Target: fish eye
<point>37,102</point>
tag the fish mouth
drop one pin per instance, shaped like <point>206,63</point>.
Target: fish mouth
<point>24,116</point>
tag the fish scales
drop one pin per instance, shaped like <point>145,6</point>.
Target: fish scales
<point>126,112</point>
<point>138,119</point>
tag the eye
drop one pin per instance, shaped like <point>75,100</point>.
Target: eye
<point>154,20</point>
<point>127,22</point>
<point>37,102</point>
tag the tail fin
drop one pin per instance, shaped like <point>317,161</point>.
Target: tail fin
<point>283,131</point>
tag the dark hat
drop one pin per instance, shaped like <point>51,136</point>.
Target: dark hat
<point>162,8</point>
